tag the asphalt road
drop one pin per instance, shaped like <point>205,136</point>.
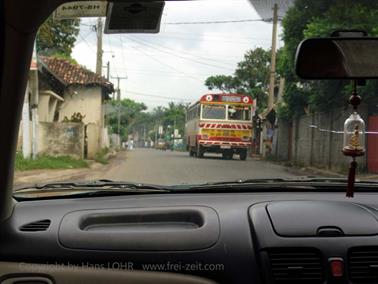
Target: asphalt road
<point>168,168</point>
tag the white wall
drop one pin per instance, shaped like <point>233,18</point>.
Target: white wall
<point>86,100</point>
<point>46,106</point>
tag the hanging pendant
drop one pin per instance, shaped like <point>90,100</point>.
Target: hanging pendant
<point>353,140</point>
<point>354,136</point>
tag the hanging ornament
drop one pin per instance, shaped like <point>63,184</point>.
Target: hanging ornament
<point>354,139</point>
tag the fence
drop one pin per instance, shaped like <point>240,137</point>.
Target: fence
<point>57,139</point>
<point>304,145</point>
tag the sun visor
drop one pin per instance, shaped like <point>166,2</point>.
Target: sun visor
<point>134,17</point>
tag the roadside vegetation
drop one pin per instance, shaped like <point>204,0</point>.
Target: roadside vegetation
<point>48,162</point>
<point>136,119</point>
<point>305,19</point>
<point>101,156</point>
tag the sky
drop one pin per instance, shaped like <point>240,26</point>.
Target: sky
<point>174,64</point>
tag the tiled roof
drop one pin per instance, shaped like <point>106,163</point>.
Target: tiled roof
<point>73,74</point>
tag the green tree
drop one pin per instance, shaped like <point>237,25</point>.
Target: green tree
<point>223,83</point>
<point>57,37</point>
<point>171,117</point>
<point>129,110</point>
<point>251,77</point>
<point>135,118</point>
<point>307,18</point>
<point>175,116</point>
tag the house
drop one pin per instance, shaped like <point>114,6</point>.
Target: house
<point>67,89</point>
<point>82,90</point>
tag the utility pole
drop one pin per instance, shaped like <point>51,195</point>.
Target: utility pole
<point>144,135</point>
<point>273,58</point>
<point>272,77</point>
<point>107,66</point>
<point>174,133</point>
<point>156,134</point>
<point>34,111</point>
<point>108,70</point>
<point>26,126</point>
<point>119,102</point>
<point>34,98</point>
<point>99,47</point>
<point>281,89</point>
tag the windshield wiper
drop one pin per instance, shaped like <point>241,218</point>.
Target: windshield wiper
<point>283,184</point>
<point>111,188</point>
<point>96,184</point>
<point>85,189</point>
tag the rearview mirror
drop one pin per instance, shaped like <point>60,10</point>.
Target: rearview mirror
<point>134,17</point>
<point>337,58</point>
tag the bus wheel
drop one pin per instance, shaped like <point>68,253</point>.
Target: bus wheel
<point>243,154</point>
<point>199,151</point>
<point>227,155</point>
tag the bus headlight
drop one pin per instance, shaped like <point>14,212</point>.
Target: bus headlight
<point>246,138</point>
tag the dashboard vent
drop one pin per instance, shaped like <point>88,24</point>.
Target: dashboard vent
<point>296,266</point>
<point>37,226</point>
<point>363,265</point>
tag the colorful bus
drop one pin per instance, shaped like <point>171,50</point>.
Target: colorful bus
<point>220,123</point>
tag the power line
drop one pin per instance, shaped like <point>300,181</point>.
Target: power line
<point>123,55</point>
<point>159,74</point>
<point>111,50</point>
<point>87,43</point>
<point>141,42</point>
<point>196,56</point>
<point>204,53</point>
<point>206,39</point>
<point>166,64</point>
<point>218,22</point>
<point>83,37</point>
<point>157,96</point>
<point>160,102</point>
<point>220,37</point>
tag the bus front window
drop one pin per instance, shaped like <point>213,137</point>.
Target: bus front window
<point>214,112</point>
<point>239,113</point>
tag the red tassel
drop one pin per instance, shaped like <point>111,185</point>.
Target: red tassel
<point>351,179</point>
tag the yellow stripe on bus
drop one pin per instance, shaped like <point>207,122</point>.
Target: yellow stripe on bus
<point>231,133</point>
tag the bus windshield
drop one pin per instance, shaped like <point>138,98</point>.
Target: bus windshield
<point>214,112</point>
<point>239,113</point>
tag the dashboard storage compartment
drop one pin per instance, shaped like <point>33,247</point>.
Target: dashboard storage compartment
<point>321,218</point>
<point>161,228</point>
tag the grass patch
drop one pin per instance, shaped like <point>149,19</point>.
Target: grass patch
<point>101,156</point>
<point>48,162</point>
<point>271,158</point>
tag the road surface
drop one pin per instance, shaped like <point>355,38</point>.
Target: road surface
<point>168,168</point>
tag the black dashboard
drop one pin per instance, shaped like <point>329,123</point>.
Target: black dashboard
<point>227,237</point>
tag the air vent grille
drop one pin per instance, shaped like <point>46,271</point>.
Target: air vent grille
<point>37,226</point>
<point>296,266</point>
<point>363,265</point>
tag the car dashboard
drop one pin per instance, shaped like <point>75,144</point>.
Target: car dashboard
<point>226,237</point>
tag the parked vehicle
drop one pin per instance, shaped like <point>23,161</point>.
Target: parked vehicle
<point>161,145</point>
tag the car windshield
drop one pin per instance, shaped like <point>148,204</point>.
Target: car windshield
<point>197,92</point>
<point>213,112</point>
<point>239,113</point>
